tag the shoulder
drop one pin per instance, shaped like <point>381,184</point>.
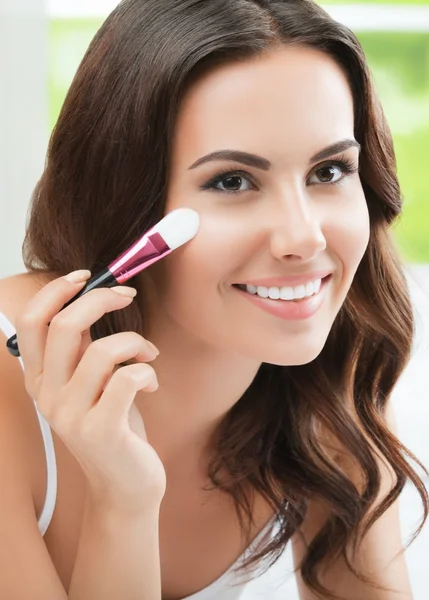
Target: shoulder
<point>20,428</point>
<point>26,563</point>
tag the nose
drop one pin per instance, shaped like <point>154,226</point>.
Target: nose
<point>296,229</point>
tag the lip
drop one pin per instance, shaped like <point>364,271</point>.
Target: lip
<point>287,281</point>
<point>289,310</point>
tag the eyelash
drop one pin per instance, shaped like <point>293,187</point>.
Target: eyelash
<point>345,164</point>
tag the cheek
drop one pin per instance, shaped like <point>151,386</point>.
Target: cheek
<point>348,236</point>
<point>210,259</point>
<point>192,277</point>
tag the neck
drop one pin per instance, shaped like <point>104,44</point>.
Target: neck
<point>198,385</point>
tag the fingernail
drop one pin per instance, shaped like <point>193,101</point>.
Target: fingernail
<point>78,276</point>
<point>154,348</point>
<point>124,291</point>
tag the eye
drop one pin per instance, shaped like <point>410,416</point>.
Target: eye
<point>327,171</point>
<point>231,181</point>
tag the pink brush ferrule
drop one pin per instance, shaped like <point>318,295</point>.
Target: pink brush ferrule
<point>146,251</point>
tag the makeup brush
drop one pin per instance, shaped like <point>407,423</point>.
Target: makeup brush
<point>174,230</point>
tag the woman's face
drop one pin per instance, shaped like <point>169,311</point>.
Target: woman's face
<point>295,217</point>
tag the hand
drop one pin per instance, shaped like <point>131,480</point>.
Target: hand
<point>85,398</point>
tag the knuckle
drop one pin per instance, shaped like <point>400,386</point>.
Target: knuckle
<point>112,347</point>
<point>134,337</point>
<point>136,374</point>
<point>62,322</point>
<point>63,419</point>
<point>102,349</point>
<point>105,351</point>
<point>27,319</point>
<point>98,294</point>
<point>103,295</point>
<point>89,430</point>
<point>135,341</point>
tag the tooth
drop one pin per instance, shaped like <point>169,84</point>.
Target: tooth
<point>286,293</point>
<point>300,291</point>
<point>262,291</point>
<point>309,289</point>
<point>274,293</point>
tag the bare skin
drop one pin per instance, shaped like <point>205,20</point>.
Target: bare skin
<point>288,223</point>
<point>189,517</point>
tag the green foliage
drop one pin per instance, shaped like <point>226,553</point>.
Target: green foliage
<point>400,66</point>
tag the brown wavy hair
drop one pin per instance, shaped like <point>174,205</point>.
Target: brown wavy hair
<point>105,182</point>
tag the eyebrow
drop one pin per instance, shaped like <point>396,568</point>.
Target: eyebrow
<point>252,160</point>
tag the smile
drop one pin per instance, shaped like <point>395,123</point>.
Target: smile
<point>285,292</point>
<point>284,304</point>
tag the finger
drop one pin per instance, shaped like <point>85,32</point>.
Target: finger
<point>32,324</point>
<point>114,405</point>
<point>63,344</point>
<point>95,369</point>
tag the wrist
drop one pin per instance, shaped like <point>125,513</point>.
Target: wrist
<point>113,510</point>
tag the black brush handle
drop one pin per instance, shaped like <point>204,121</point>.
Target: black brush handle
<point>102,279</point>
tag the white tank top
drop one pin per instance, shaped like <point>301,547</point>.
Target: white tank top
<point>278,583</point>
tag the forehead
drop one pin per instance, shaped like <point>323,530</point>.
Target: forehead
<point>294,98</point>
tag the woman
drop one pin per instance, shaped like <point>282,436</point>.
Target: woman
<point>249,425</point>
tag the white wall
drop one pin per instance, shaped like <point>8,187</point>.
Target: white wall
<point>23,119</point>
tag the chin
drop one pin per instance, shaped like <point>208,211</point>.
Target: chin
<point>290,363</point>
<point>299,356</point>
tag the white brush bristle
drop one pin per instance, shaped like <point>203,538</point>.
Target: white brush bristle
<point>178,227</point>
